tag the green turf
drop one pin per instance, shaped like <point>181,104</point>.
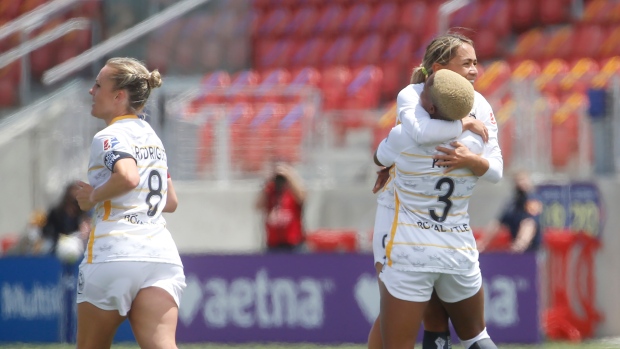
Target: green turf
<point>601,344</point>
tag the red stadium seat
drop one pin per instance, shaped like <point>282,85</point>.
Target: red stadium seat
<point>597,11</point>
<point>272,86</point>
<point>8,92</point>
<point>495,16</point>
<point>382,20</point>
<point>238,92</point>
<point>525,69</point>
<point>587,41</point>
<point>559,44</point>
<point>565,130</point>
<point>523,13</point>
<point>611,44</point>
<point>276,55</point>
<point>211,89</point>
<point>580,75</point>
<point>530,45</point>
<point>9,9</point>
<point>260,137</point>
<point>554,11</point>
<point>339,52</point>
<point>29,5</point>
<point>309,53</point>
<point>307,76</point>
<point>239,117</point>
<point>467,16</point>
<point>550,76</point>
<point>290,132</point>
<point>333,85</point>
<point>357,19</point>
<point>413,16</point>
<point>329,20</point>
<point>486,41</point>
<point>368,51</point>
<point>273,23</point>
<point>302,22</point>
<point>396,63</point>
<point>495,79</point>
<point>363,91</point>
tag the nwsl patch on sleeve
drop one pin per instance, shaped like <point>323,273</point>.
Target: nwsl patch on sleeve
<point>110,159</point>
<point>110,143</point>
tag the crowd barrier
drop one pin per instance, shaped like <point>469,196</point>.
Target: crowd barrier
<point>316,298</point>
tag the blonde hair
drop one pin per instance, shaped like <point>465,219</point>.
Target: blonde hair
<point>441,50</point>
<point>452,94</point>
<point>130,74</point>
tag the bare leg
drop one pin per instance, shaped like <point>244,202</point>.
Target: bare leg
<point>468,315</point>
<point>96,327</point>
<point>374,337</point>
<point>436,330</point>
<point>153,319</point>
<point>400,321</point>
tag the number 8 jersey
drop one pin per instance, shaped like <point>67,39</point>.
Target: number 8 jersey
<point>430,231</point>
<point>130,227</point>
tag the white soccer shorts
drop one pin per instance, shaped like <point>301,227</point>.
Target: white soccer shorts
<point>114,285</point>
<point>383,224</point>
<point>415,286</point>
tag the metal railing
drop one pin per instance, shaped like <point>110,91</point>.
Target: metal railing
<point>74,64</point>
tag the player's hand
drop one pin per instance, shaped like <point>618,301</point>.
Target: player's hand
<point>382,177</point>
<point>83,196</point>
<point>476,126</point>
<point>459,157</point>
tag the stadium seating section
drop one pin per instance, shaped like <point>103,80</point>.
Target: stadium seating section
<point>359,54</point>
<point>49,55</point>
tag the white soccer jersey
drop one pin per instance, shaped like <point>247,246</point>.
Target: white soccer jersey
<point>424,130</point>
<point>430,231</point>
<point>130,227</point>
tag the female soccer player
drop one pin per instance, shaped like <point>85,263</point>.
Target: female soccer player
<point>431,247</point>
<point>453,52</point>
<point>131,268</point>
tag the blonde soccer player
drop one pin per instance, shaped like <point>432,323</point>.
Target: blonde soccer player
<point>131,268</point>
<point>456,53</point>
<point>431,246</point>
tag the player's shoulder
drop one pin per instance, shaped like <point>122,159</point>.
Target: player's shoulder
<point>480,101</point>
<point>411,92</point>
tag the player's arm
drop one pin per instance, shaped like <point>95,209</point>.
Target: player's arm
<point>295,182</point>
<point>491,151</point>
<point>425,130</point>
<point>525,235</point>
<point>172,202</point>
<point>391,147</point>
<point>125,177</point>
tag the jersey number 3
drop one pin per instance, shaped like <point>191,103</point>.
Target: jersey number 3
<point>443,198</point>
<point>154,192</point>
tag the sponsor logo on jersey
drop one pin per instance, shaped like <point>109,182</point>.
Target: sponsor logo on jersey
<point>493,119</point>
<point>110,143</point>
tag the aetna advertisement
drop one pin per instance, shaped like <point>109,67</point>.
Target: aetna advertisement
<point>328,298</point>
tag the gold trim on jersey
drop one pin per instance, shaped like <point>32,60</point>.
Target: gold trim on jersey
<point>435,174</point>
<point>107,207</point>
<point>416,155</point>
<point>123,117</point>
<point>452,197</point>
<point>95,168</point>
<point>91,242</point>
<point>425,213</point>
<point>388,248</point>
<point>433,245</point>
<point>151,166</point>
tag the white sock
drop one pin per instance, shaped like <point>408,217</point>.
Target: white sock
<point>482,335</point>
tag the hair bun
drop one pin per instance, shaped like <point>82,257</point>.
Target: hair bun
<point>154,79</point>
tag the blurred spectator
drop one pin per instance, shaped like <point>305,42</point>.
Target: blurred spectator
<point>30,241</point>
<point>520,217</point>
<point>281,203</point>
<point>64,218</point>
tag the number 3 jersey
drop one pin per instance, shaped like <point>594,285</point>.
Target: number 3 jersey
<point>430,231</point>
<point>130,227</point>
